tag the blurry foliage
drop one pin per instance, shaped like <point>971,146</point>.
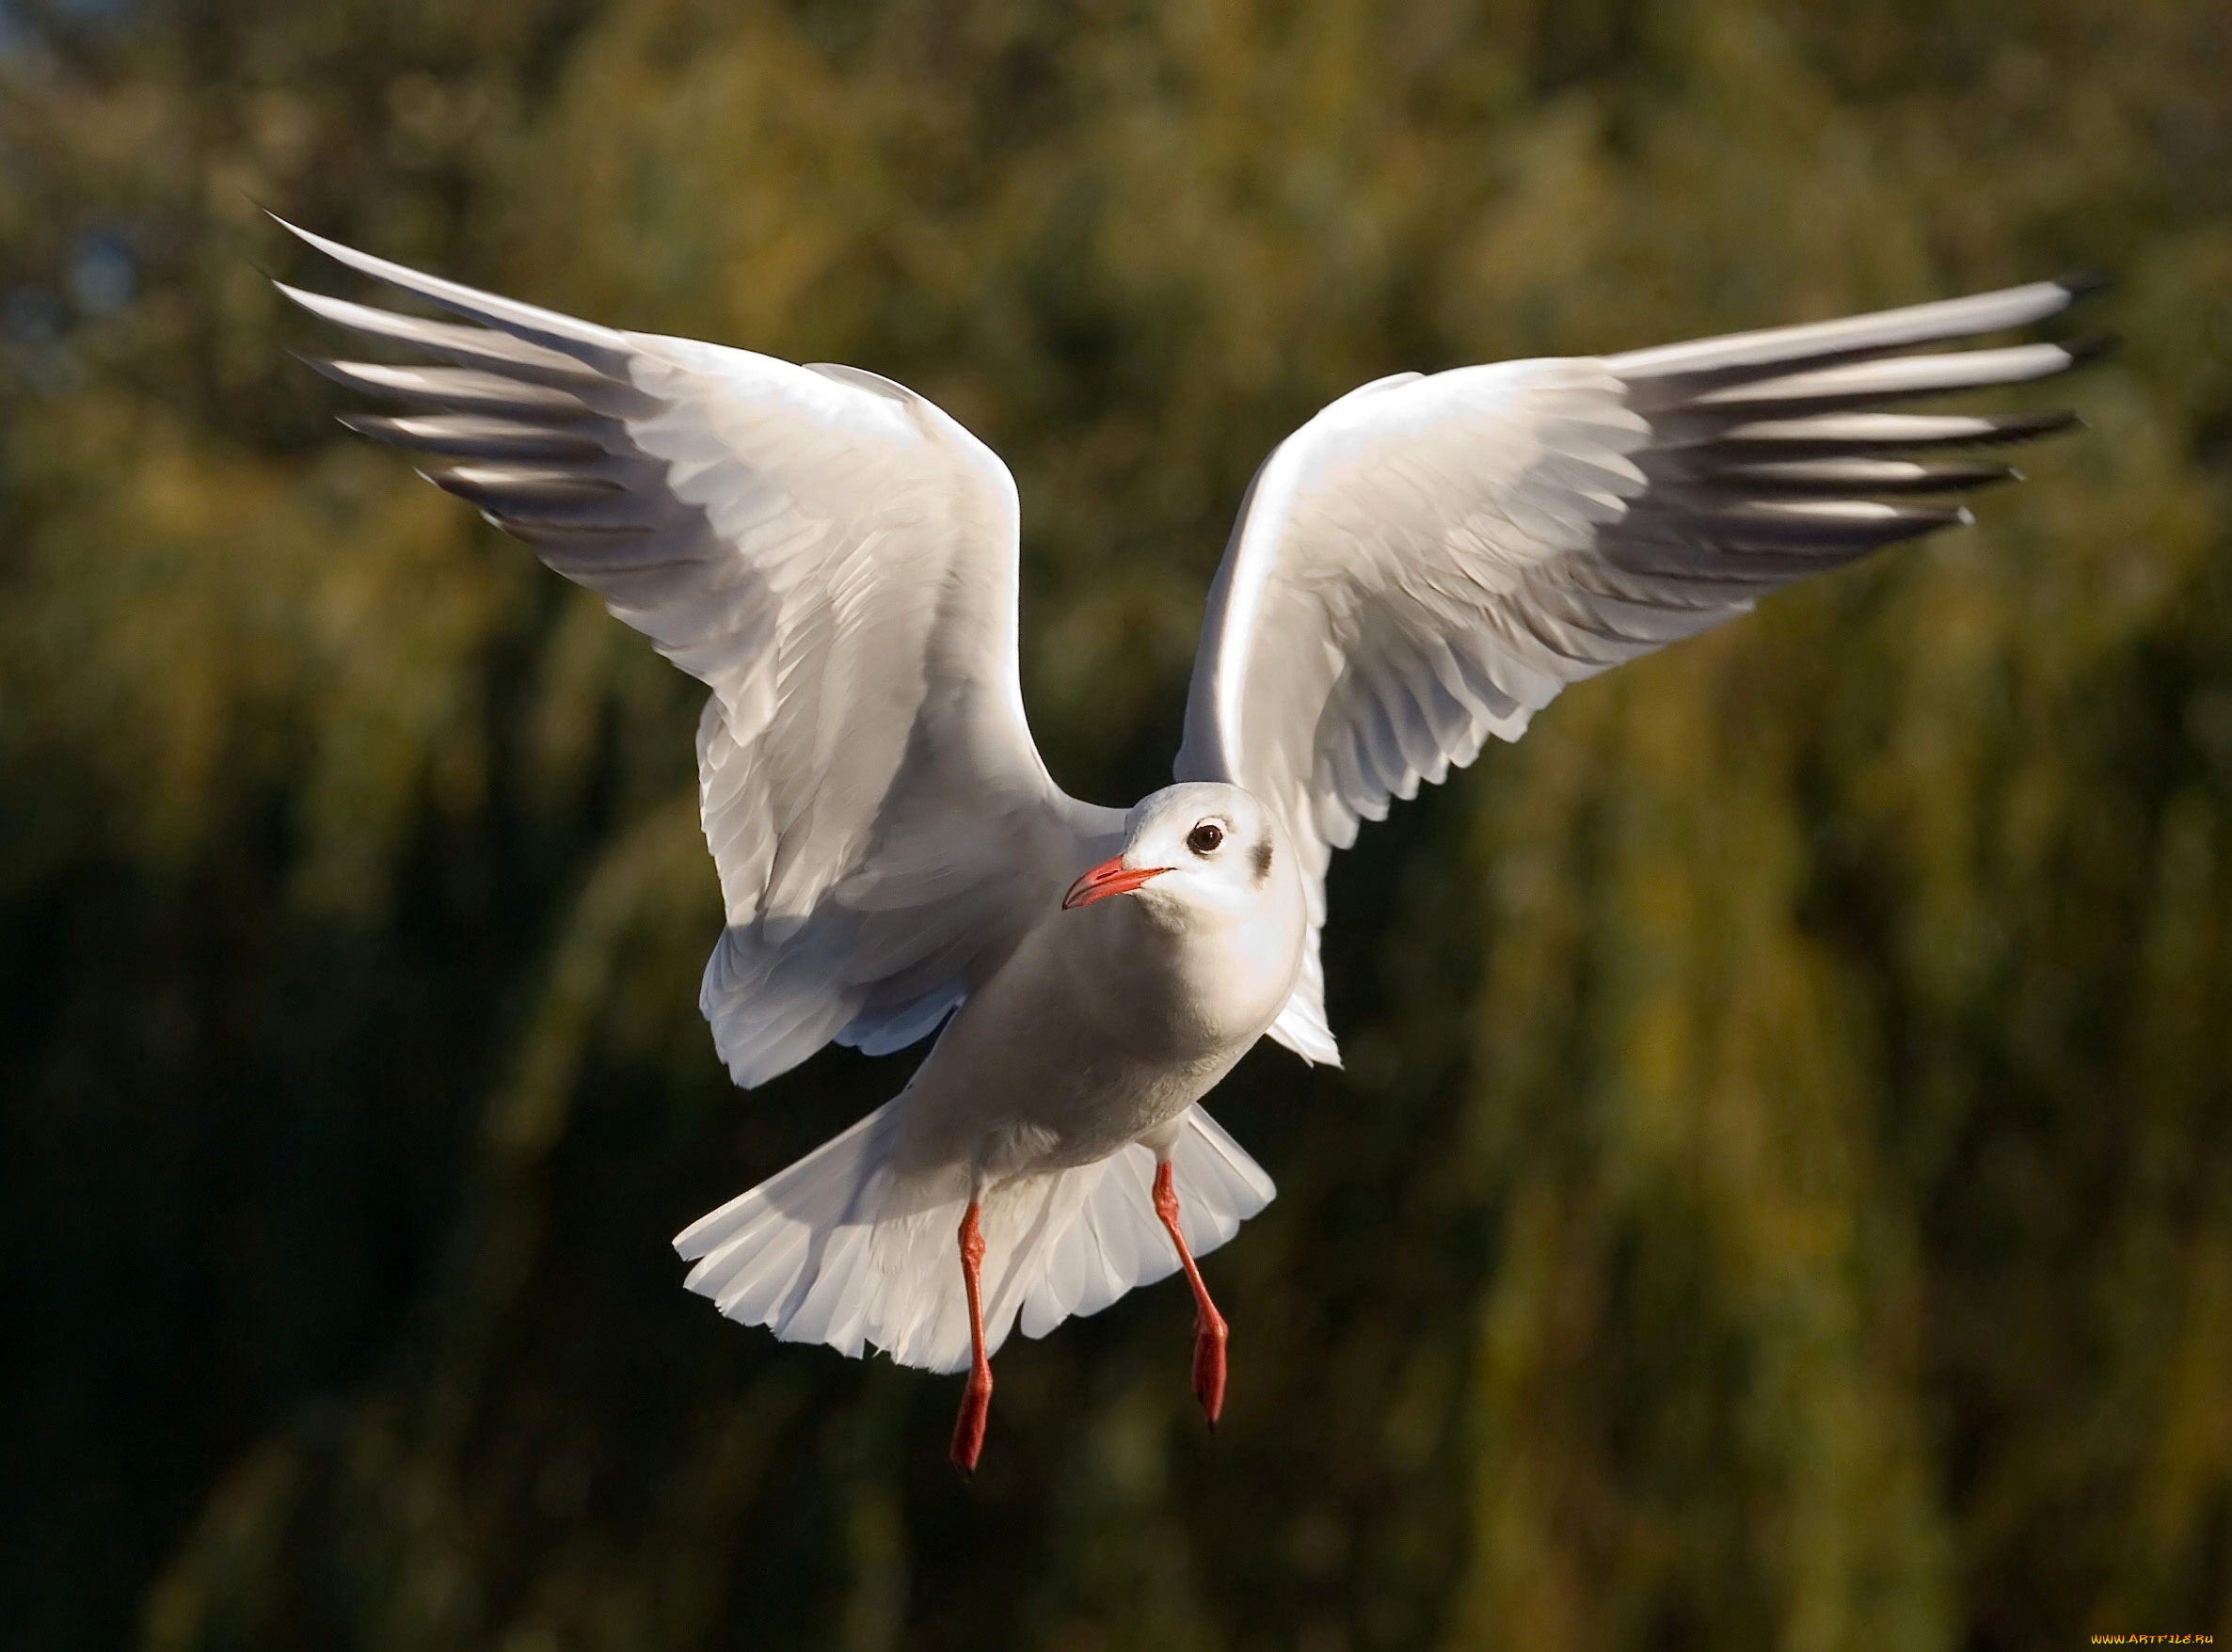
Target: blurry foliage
<point>1781,1191</point>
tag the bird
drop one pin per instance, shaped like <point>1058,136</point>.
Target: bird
<point>1427,563</point>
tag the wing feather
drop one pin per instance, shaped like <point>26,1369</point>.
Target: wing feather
<point>1431,560</point>
<point>834,558</point>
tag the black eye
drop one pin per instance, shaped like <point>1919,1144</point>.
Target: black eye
<point>1204,838</point>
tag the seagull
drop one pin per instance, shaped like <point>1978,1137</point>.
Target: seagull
<point>1425,563</point>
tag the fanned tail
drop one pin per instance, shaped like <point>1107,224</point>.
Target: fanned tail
<point>839,1249</point>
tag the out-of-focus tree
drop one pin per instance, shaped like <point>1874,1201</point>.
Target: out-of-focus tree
<point>1781,1190</point>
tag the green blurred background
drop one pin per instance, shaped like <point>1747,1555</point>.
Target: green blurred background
<point>1780,1195</point>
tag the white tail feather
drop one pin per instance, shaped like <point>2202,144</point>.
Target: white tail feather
<point>840,1249</point>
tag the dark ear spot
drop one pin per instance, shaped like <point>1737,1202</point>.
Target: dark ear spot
<point>1262,855</point>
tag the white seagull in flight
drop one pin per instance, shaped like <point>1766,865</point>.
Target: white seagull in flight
<point>1425,563</point>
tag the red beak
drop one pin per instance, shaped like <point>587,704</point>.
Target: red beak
<point>1110,878</point>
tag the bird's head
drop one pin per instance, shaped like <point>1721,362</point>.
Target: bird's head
<point>1211,852</point>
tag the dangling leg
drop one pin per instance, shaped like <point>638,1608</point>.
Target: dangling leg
<point>1208,1324</point>
<point>976,1399</point>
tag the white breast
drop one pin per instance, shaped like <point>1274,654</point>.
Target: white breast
<point>1102,1028</point>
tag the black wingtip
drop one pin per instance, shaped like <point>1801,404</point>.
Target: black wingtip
<point>330,369</point>
<point>257,264</point>
<point>2084,283</point>
<point>275,218</point>
<point>2031,426</point>
<point>1962,478</point>
<point>376,427</point>
<point>325,367</point>
<point>2092,347</point>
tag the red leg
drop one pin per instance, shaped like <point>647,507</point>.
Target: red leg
<point>1208,1324</point>
<point>976,1399</point>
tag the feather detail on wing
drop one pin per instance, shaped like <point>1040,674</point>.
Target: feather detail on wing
<point>1431,561</point>
<point>834,558</point>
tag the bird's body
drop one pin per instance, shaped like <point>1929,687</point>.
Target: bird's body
<point>1426,564</point>
<point>1092,1038</point>
<point>1135,1010</point>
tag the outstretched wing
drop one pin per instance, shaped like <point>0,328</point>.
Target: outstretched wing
<point>834,558</point>
<point>1430,560</point>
